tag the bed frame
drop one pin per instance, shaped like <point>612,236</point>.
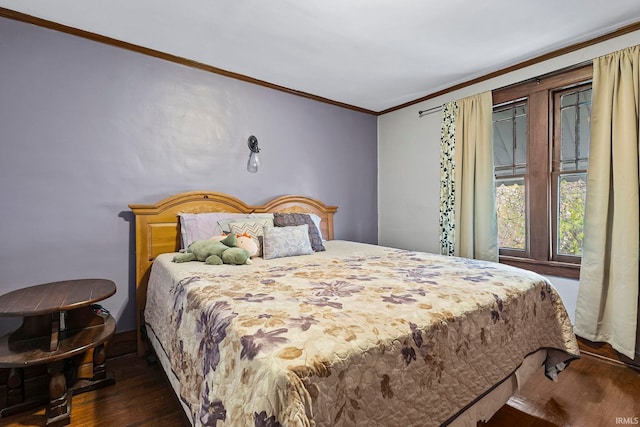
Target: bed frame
<point>158,230</point>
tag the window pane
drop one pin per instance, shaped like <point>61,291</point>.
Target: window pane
<point>510,206</point>
<point>502,114</point>
<point>503,143</point>
<point>584,130</point>
<point>575,122</point>
<point>568,127</point>
<point>584,96</point>
<point>520,156</point>
<point>510,138</point>
<point>572,189</point>
<point>568,99</point>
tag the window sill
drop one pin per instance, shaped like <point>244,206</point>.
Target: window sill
<point>548,268</point>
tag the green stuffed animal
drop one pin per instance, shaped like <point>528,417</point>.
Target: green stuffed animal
<point>215,252</point>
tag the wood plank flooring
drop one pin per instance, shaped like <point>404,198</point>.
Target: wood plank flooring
<point>140,397</point>
<point>592,392</point>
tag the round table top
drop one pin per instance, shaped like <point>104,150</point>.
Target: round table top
<point>55,296</point>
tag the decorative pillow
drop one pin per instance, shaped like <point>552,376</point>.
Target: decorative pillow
<point>293,219</point>
<point>202,226</point>
<point>317,220</point>
<point>224,222</point>
<point>252,227</point>
<point>260,216</point>
<point>286,241</point>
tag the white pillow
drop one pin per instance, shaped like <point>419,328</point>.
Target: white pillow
<point>316,220</point>
<point>203,226</point>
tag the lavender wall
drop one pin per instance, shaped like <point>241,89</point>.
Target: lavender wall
<point>86,129</point>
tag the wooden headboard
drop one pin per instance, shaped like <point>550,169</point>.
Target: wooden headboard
<point>158,229</point>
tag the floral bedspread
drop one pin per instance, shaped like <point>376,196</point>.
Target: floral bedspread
<point>356,335</point>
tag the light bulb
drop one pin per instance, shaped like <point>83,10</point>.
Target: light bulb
<point>253,163</point>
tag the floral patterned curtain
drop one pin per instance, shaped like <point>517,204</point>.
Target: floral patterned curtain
<point>447,171</point>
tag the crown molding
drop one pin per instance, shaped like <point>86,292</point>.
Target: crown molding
<point>617,33</point>
<point>29,19</point>
<point>18,16</point>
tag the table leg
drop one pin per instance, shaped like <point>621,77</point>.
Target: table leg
<point>15,387</point>
<point>99,357</point>
<point>59,409</point>
<point>17,399</point>
<point>100,376</point>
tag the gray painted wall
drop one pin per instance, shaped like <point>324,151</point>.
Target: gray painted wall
<point>87,128</point>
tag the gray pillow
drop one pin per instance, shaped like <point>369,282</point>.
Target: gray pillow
<point>294,219</point>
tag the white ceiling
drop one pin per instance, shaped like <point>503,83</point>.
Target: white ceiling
<point>371,54</point>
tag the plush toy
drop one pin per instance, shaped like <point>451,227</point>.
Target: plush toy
<point>215,252</point>
<point>246,242</point>
<point>218,238</point>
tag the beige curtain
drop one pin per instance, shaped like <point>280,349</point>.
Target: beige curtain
<point>607,307</point>
<point>476,234</point>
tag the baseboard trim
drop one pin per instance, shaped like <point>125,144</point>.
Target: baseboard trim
<point>605,351</point>
<point>121,344</point>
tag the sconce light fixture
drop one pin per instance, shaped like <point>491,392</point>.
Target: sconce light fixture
<point>254,161</point>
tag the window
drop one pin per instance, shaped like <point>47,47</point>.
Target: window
<point>510,162</point>
<point>572,118</point>
<point>541,151</point>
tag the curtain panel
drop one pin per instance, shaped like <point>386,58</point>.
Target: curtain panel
<point>467,193</point>
<point>447,170</point>
<point>607,306</point>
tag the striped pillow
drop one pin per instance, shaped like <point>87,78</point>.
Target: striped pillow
<point>252,227</point>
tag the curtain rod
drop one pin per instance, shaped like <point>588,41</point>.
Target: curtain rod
<point>535,79</point>
<point>429,110</point>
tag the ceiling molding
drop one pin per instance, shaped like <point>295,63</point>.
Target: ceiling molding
<point>18,16</point>
<point>29,19</point>
<point>619,32</point>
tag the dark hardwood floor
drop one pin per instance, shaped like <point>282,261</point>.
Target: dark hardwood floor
<point>592,392</point>
<point>140,397</point>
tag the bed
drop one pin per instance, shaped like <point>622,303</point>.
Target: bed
<point>356,334</point>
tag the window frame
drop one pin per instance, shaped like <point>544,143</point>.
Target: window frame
<point>514,252</point>
<point>556,172</point>
<point>539,94</point>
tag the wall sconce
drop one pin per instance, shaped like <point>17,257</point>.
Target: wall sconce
<point>254,161</point>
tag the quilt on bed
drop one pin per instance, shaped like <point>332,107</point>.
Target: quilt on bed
<point>356,335</point>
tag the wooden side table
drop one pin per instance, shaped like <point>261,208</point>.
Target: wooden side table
<point>58,324</point>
